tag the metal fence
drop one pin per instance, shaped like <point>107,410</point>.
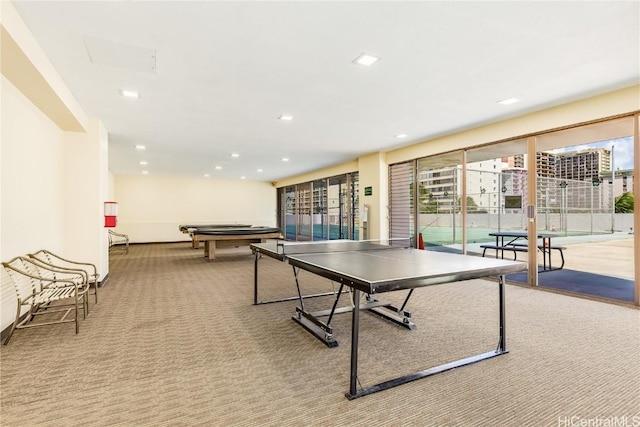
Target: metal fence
<point>563,205</point>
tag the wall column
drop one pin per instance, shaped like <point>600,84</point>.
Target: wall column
<point>636,207</point>
<point>85,190</point>
<point>374,177</point>
<point>532,225</point>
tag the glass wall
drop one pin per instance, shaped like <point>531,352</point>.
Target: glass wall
<point>324,209</point>
<point>320,218</point>
<point>591,167</point>
<point>439,194</point>
<point>303,211</point>
<point>337,200</point>
<point>584,197</point>
<point>578,184</point>
<point>287,217</point>
<point>496,191</point>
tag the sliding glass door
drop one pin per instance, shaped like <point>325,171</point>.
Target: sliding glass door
<point>324,209</point>
<point>304,201</point>
<point>320,218</point>
<point>566,198</point>
<point>288,212</point>
<point>439,193</point>
<point>496,191</point>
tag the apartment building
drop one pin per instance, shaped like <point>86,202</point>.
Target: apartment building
<point>583,165</point>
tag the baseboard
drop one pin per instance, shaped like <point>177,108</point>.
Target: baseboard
<point>104,281</point>
<point>149,243</point>
<point>5,332</point>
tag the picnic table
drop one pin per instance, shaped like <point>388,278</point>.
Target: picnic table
<point>516,241</point>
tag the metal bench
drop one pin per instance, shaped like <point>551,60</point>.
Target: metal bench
<point>560,249</point>
<point>498,249</point>
<point>89,270</point>
<point>118,240</point>
<point>43,291</point>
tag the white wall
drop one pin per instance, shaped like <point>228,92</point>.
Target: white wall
<point>150,208</point>
<point>111,187</point>
<point>53,166</point>
<point>32,171</point>
<point>85,183</point>
<point>31,177</point>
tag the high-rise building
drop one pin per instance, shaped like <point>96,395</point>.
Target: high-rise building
<point>622,180</point>
<point>517,161</point>
<point>583,165</point>
<point>546,164</point>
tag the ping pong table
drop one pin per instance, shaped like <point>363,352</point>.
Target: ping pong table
<point>276,250</point>
<point>371,268</point>
<point>311,320</point>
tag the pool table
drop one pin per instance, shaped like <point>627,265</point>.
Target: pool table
<point>195,243</point>
<point>233,237</point>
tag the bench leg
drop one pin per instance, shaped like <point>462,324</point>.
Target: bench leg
<point>562,258</point>
<point>546,251</point>
<point>76,318</point>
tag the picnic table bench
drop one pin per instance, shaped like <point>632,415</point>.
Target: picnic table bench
<point>515,246</point>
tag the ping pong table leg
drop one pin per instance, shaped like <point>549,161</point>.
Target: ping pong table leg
<point>295,274</point>
<point>406,300</point>
<point>355,326</point>
<point>335,304</point>
<point>399,316</point>
<point>310,321</point>
<point>256,255</point>
<point>354,393</point>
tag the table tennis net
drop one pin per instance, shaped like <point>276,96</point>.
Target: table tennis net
<point>299,248</point>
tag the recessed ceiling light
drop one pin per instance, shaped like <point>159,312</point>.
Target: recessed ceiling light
<point>206,175</point>
<point>130,93</point>
<point>401,135</point>
<point>218,168</point>
<point>143,162</point>
<point>365,59</point>
<point>508,101</point>
<point>243,177</point>
<point>285,159</point>
<point>259,170</point>
<point>235,155</point>
<point>285,117</point>
<point>145,172</point>
<point>140,147</point>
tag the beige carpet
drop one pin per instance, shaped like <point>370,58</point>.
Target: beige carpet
<point>176,341</point>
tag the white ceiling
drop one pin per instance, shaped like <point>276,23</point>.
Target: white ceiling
<point>224,72</point>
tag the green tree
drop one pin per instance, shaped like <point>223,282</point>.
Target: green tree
<point>426,201</point>
<point>423,197</point>
<point>429,205</point>
<point>472,206</point>
<point>624,203</point>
